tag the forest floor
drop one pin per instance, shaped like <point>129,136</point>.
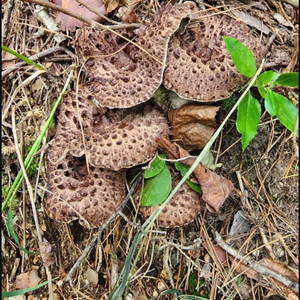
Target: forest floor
<point>265,177</point>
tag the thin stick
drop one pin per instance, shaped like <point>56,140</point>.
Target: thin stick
<point>88,248</point>
<point>255,266</point>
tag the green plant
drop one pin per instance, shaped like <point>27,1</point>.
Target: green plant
<point>249,110</point>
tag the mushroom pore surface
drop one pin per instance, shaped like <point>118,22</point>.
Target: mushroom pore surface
<point>76,193</point>
<point>199,66</point>
<point>121,74</point>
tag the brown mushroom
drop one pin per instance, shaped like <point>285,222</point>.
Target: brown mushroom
<point>78,193</point>
<point>121,74</point>
<point>113,139</point>
<point>199,66</point>
<point>182,208</point>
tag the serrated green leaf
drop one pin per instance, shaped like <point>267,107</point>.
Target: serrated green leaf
<point>248,115</point>
<point>287,113</point>
<point>157,188</point>
<point>11,231</point>
<point>241,56</point>
<point>272,102</point>
<point>288,79</point>
<point>156,167</point>
<point>183,170</point>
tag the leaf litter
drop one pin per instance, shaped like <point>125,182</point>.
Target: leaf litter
<point>271,201</point>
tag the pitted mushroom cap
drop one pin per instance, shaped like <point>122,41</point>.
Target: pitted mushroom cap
<point>182,208</point>
<point>122,75</point>
<point>76,193</point>
<point>199,66</point>
<point>113,139</point>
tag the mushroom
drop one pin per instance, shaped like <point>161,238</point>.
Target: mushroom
<point>113,139</point>
<point>78,193</point>
<point>199,66</point>
<point>121,74</point>
<point>182,208</point>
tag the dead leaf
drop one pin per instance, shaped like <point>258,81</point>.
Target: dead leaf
<point>69,23</point>
<point>218,252</point>
<point>127,15</point>
<point>242,268</point>
<point>215,188</point>
<point>92,277</point>
<point>193,125</point>
<point>27,280</point>
<point>46,253</point>
<point>113,4</point>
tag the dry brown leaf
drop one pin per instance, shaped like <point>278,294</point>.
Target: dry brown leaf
<point>193,125</point>
<point>27,280</point>
<point>92,277</point>
<point>218,252</point>
<point>242,268</point>
<point>70,23</point>
<point>46,253</point>
<point>113,4</point>
<point>215,188</point>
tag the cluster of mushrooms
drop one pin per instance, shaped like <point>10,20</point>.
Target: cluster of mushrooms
<point>109,125</point>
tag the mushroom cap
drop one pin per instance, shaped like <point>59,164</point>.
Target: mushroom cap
<point>113,139</point>
<point>199,66</point>
<point>121,74</point>
<point>182,208</point>
<point>76,193</point>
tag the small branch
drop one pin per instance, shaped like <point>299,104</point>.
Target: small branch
<point>255,266</point>
<point>6,19</point>
<point>88,248</point>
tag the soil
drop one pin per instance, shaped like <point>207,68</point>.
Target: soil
<point>265,177</point>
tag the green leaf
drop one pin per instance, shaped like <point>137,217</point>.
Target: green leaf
<point>287,113</point>
<point>266,78</point>
<point>288,79</point>
<point>156,167</point>
<point>22,57</point>
<point>241,56</point>
<point>248,115</point>
<point>272,102</point>
<point>183,170</point>
<point>157,188</point>
<point>11,231</point>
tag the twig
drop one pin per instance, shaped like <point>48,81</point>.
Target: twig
<point>36,57</point>
<point>6,19</point>
<point>255,266</point>
<point>88,248</point>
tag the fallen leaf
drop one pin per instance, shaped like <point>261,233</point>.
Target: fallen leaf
<point>92,277</point>
<point>113,4</point>
<point>215,188</point>
<point>46,253</point>
<point>27,280</point>
<point>218,252</point>
<point>193,125</point>
<point>69,23</point>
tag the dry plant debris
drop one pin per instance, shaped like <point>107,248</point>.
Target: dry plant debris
<point>122,75</point>
<point>193,125</point>
<point>181,210</point>
<point>199,66</point>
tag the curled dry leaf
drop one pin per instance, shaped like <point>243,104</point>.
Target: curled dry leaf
<point>218,252</point>
<point>193,125</point>
<point>46,253</point>
<point>69,23</point>
<point>27,280</point>
<point>215,188</point>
